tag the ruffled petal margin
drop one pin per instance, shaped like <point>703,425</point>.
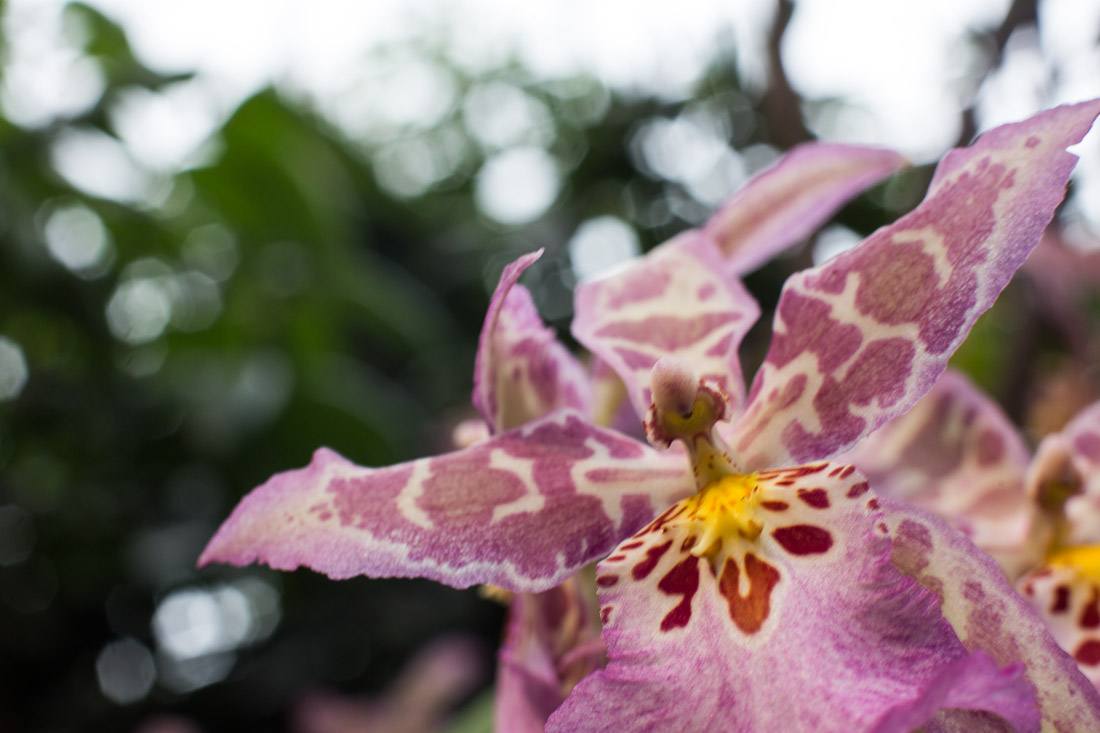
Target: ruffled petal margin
<point>522,510</point>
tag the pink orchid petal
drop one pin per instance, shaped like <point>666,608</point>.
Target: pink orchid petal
<point>957,454</point>
<point>858,340</point>
<point>522,372</point>
<point>1071,458</point>
<point>673,301</point>
<point>989,616</point>
<point>538,663</point>
<point>810,628</point>
<point>789,200</point>
<point>522,510</point>
<point>962,698</point>
<point>1070,605</point>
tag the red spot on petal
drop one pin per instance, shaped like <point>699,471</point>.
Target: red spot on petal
<point>848,471</point>
<point>1090,616</point>
<point>1088,653</point>
<point>631,545</point>
<point>652,557</point>
<point>774,506</point>
<point>817,498</point>
<point>606,581</point>
<point>806,470</point>
<point>1061,600</point>
<point>1029,588</point>
<point>858,489</point>
<point>785,482</point>
<point>681,580</point>
<point>803,539</point>
<point>750,611</point>
<point>1032,141</point>
<point>666,516</point>
<point>688,543</point>
<point>605,614</point>
<point>872,503</point>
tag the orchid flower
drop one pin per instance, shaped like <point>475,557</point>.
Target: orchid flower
<point>773,591</point>
<point>958,455</point>
<point>522,374</point>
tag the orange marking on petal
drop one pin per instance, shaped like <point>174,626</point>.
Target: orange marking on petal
<point>750,611</point>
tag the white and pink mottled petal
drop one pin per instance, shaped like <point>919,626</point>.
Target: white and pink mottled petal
<point>957,454</point>
<point>990,616</point>
<point>522,510</point>
<point>672,302</point>
<point>808,627</point>
<point>1070,604</point>
<point>790,199</point>
<point>858,340</point>
<point>522,371</point>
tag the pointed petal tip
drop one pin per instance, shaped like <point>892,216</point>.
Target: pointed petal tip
<point>522,371</point>
<point>787,201</point>
<point>936,270</point>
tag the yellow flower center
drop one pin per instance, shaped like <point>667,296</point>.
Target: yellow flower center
<point>725,508</point>
<point>1085,559</point>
